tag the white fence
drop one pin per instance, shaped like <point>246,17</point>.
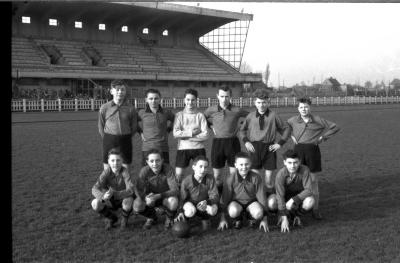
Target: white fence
<point>42,105</point>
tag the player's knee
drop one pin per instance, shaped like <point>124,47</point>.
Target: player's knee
<point>171,203</point>
<point>256,211</point>
<point>234,209</point>
<point>138,205</point>
<point>127,204</point>
<point>97,205</point>
<point>272,202</point>
<point>308,203</point>
<point>212,209</point>
<point>189,210</point>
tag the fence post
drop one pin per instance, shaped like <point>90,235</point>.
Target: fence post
<point>59,104</point>
<point>241,102</point>
<point>42,104</point>
<point>174,102</point>
<point>286,101</point>
<point>92,102</point>
<point>24,105</point>
<point>76,104</point>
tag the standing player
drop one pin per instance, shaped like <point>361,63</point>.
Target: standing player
<point>307,132</point>
<point>258,133</point>
<point>114,189</point>
<point>243,193</point>
<point>199,194</point>
<point>293,190</point>
<point>223,120</point>
<point>155,124</point>
<point>157,187</point>
<point>117,123</point>
<point>190,128</point>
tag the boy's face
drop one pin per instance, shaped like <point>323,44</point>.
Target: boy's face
<point>224,97</point>
<point>292,164</point>
<point>304,109</point>
<point>115,162</point>
<point>118,92</point>
<point>190,101</point>
<point>153,99</point>
<point>154,161</point>
<point>243,166</point>
<point>261,105</point>
<point>200,169</point>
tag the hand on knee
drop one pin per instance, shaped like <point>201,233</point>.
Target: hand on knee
<point>189,210</point>
<point>139,205</point>
<point>234,209</point>
<point>127,204</point>
<point>97,205</point>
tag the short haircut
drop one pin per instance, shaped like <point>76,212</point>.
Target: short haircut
<point>200,158</point>
<point>154,91</point>
<point>242,155</point>
<point>261,94</point>
<point>305,100</point>
<point>115,151</point>
<point>191,91</point>
<point>153,151</point>
<point>290,154</point>
<point>118,82</point>
<point>225,88</point>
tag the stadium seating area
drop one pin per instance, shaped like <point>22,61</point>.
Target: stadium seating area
<point>77,55</point>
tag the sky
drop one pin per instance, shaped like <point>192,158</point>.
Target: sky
<point>309,42</point>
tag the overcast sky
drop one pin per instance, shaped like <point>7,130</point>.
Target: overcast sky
<point>313,41</point>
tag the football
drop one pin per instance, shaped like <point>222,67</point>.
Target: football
<point>181,229</point>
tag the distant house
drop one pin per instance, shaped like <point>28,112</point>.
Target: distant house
<point>395,84</point>
<point>330,85</point>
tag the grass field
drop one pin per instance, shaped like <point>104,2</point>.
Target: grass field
<point>56,158</point>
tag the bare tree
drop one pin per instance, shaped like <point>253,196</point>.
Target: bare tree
<point>266,75</point>
<point>245,68</point>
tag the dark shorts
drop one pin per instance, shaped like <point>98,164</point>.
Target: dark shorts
<point>224,150</point>
<point>165,156</point>
<point>183,157</point>
<point>123,142</point>
<point>310,156</point>
<point>262,157</point>
<point>244,212</point>
<point>117,203</point>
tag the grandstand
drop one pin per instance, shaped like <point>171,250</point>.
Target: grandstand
<point>77,48</point>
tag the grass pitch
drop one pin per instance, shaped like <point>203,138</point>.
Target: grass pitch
<point>56,158</point>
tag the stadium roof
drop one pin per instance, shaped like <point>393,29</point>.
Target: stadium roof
<point>196,19</point>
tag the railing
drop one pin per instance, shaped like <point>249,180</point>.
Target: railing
<point>42,105</point>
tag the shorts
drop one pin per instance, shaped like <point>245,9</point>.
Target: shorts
<point>123,142</point>
<point>309,155</point>
<point>224,150</point>
<point>117,203</point>
<point>262,157</point>
<point>183,157</point>
<point>165,156</point>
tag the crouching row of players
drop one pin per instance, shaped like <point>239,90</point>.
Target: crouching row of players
<point>243,193</point>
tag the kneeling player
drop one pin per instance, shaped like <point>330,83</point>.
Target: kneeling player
<point>114,189</point>
<point>199,194</point>
<point>157,188</point>
<point>293,190</point>
<point>243,193</point>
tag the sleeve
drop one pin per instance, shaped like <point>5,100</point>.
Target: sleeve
<point>183,196</point>
<point>213,196</point>
<point>173,185</point>
<point>331,128</point>
<point>280,194</point>
<point>226,192</point>
<point>130,188</point>
<point>243,130</point>
<point>101,121</point>
<point>283,128</point>
<point>208,115</point>
<point>178,130</point>
<point>306,180</point>
<point>100,187</point>
<point>170,121</point>
<point>203,135</point>
<point>142,183</point>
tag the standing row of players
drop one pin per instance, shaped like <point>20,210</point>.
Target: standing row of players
<point>243,190</point>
